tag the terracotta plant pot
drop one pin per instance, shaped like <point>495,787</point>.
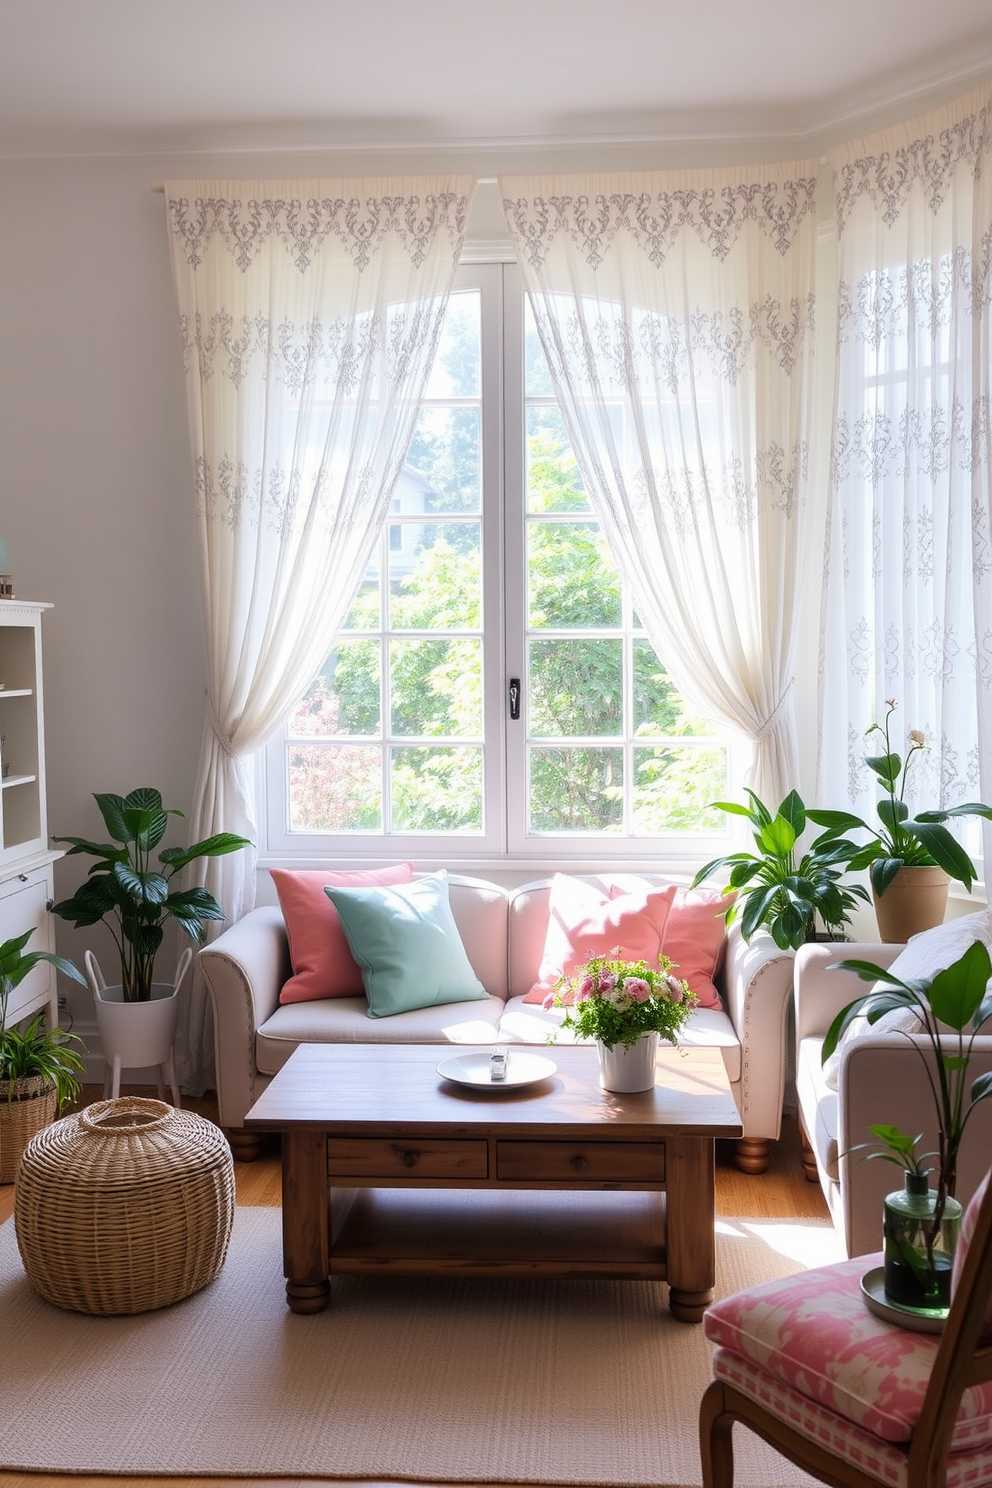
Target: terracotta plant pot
<point>915,900</point>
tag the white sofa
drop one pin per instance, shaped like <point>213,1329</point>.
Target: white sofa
<point>879,1082</point>
<point>503,933</point>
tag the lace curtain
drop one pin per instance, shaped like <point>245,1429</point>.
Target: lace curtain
<point>907,609</point>
<point>676,313</point>
<point>310,312</point>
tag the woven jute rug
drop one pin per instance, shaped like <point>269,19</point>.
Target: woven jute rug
<point>456,1380</point>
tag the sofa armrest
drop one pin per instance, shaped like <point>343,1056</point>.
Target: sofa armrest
<point>755,983</point>
<point>822,993</point>
<point>881,1082</point>
<point>244,968</point>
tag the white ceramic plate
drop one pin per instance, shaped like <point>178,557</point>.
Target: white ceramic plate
<point>873,1291</point>
<point>473,1069</point>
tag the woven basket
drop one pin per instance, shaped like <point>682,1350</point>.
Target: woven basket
<point>124,1207</point>
<point>32,1108</point>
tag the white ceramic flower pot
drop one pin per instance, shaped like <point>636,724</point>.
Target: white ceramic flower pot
<point>137,1035</point>
<point>624,1070</point>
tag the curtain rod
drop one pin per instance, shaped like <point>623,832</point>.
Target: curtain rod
<point>159,186</point>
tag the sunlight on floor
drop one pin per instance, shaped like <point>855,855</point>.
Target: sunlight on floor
<point>815,1243</point>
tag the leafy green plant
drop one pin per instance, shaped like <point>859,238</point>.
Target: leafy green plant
<point>781,886</point>
<point>36,1050</point>
<point>616,1001</point>
<point>957,998</point>
<point>903,840</point>
<point>133,896</point>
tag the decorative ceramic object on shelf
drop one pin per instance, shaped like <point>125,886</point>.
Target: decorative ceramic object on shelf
<point>629,1067</point>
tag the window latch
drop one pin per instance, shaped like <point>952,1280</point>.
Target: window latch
<point>514,697</point>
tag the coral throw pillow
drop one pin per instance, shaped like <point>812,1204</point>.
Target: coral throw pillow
<point>323,965</point>
<point>584,921</point>
<point>694,939</point>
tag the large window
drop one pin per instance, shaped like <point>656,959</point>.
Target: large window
<point>492,692</point>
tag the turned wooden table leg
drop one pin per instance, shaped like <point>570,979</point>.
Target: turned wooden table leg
<point>690,1226</point>
<point>752,1154</point>
<point>808,1156</point>
<point>305,1241</point>
<point>245,1146</point>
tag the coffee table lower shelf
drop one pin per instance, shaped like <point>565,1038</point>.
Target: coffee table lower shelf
<point>471,1232</point>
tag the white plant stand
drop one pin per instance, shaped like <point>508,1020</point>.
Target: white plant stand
<point>138,1035</point>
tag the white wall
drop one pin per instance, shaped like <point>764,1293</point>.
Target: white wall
<point>95,490</point>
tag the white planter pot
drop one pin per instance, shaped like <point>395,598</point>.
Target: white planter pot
<point>137,1035</point>
<point>625,1070</point>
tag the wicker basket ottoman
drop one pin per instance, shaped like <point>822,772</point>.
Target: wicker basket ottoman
<point>124,1207</point>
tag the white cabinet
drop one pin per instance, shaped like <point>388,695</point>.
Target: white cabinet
<point>26,882</point>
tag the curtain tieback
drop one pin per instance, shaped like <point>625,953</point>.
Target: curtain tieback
<point>219,734</point>
<point>772,718</point>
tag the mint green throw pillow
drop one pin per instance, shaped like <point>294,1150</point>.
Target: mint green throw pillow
<point>407,945</point>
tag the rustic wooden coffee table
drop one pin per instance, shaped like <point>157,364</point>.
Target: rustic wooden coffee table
<point>388,1168</point>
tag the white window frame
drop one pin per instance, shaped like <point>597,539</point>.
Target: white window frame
<point>504,842</point>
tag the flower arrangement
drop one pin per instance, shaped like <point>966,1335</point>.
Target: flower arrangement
<point>615,1001</point>
<point>903,840</point>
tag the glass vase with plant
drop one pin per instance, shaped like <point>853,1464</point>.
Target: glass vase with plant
<point>951,1009</point>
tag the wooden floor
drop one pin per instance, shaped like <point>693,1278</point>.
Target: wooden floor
<point>782,1192</point>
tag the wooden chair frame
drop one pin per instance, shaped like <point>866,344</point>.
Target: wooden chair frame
<point>960,1362</point>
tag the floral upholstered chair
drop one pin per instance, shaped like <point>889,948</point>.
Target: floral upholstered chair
<point>850,1398</point>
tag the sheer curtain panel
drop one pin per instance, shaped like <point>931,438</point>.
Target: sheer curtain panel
<point>310,312</point>
<point>907,610</point>
<point>676,312</point>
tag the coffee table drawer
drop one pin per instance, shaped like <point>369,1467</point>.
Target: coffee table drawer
<point>590,1162</point>
<point>376,1157</point>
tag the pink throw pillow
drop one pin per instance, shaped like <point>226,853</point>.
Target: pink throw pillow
<point>694,939</point>
<point>323,965</point>
<point>583,921</point>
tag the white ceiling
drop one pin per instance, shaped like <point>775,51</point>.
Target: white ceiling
<point>157,76</point>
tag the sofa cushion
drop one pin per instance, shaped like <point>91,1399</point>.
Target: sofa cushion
<point>323,965</point>
<point>584,920</point>
<point>406,942</point>
<point>813,1333</point>
<point>345,1020</point>
<point>696,938</point>
<point>524,1022</point>
<point>924,955</point>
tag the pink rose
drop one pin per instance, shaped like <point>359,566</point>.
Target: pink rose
<point>676,991</point>
<point>638,989</point>
<point>586,990</point>
<point>607,981</point>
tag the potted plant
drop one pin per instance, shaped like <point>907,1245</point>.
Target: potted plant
<point>133,895</point>
<point>625,1006</point>
<point>781,886</point>
<point>921,1222</point>
<point>39,1066</point>
<point>905,842</point>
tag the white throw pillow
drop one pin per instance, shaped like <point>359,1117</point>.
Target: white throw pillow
<point>923,956</point>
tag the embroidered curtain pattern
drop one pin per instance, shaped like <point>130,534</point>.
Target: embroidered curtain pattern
<point>676,312</point>
<point>907,608</point>
<point>310,312</point>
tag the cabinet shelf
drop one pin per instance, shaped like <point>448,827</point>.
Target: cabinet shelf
<point>11,780</point>
<point>14,692</point>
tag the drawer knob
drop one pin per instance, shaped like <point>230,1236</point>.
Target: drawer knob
<point>577,1162</point>
<point>409,1159</point>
